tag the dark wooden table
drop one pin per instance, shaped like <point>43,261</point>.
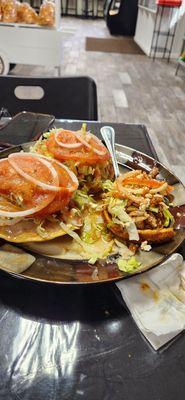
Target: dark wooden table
<point>81,342</point>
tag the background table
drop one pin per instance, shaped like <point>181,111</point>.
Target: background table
<point>80,342</point>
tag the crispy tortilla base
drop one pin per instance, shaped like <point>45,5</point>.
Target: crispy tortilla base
<point>26,231</point>
<point>13,259</point>
<point>151,235</point>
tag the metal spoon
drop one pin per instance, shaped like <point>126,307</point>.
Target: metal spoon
<point>108,135</point>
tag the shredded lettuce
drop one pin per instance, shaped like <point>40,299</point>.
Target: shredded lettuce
<point>103,253</point>
<point>41,231</point>
<point>116,209</point>
<point>86,170</point>
<point>93,259</point>
<point>123,250</point>
<point>83,199</point>
<point>154,209</point>
<point>84,127</point>
<point>107,185</point>
<point>98,250</point>
<point>128,265</point>
<point>74,235</point>
<point>40,146</point>
<point>45,151</point>
<point>93,227</point>
<point>46,135</point>
<point>168,217</point>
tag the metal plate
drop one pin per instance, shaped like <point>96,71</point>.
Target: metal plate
<point>54,270</point>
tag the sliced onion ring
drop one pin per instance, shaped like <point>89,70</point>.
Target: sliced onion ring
<point>83,141</point>
<point>80,139</point>
<point>67,145</point>
<point>70,173</point>
<point>90,135</point>
<point>54,188</point>
<point>25,213</point>
<point>98,141</point>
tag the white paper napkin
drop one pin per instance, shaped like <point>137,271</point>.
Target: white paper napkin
<point>156,300</point>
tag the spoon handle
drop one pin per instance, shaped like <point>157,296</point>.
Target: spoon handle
<point>108,135</point>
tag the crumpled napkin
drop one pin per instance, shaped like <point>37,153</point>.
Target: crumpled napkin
<point>156,300</point>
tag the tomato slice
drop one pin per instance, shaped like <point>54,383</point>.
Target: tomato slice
<point>83,154</point>
<point>35,169</point>
<point>19,193</point>
<point>67,139</point>
<point>59,202</point>
<point>142,182</point>
<point>66,177</point>
<point>150,183</point>
<point>67,187</point>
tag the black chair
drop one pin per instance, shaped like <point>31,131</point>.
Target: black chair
<point>67,98</point>
<point>121,16</point>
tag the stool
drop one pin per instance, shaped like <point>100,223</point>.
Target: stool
<point>100,4</point>
<point>89,10</point>
<point>71,5</point>
<point>161,6</point>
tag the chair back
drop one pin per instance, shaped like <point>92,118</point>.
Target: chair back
<point>65,98</point>
<point>121,16</point>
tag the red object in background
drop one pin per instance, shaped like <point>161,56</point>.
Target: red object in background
<point>169,3</point>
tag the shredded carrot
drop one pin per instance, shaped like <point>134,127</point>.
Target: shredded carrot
<point>152,183</point>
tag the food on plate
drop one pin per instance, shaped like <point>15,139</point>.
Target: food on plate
<point>92,242</point>
<point>110,227</point>
<point>82,152</point>
<point>137,207</point>
<point>35,195</point>
<point>61,200</point>
<point>13,259</point>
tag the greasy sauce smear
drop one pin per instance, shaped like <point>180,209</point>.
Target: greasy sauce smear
<point>86,272</point>
<point>146,289</point>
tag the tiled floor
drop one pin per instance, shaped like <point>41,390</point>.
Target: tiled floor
<point>131,88</point>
